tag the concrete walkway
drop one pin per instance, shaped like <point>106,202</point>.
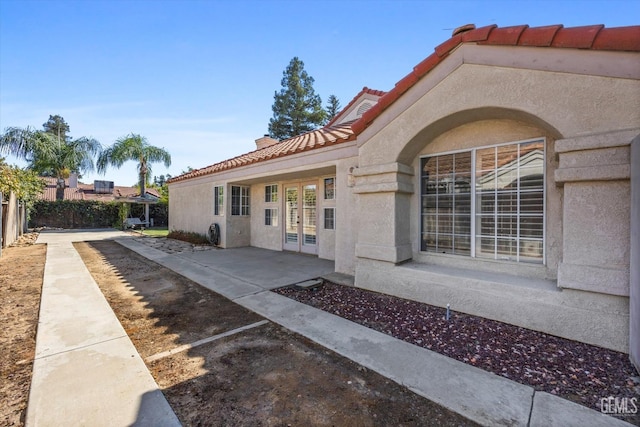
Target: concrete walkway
<point>100,345</point>
<point>86,371</point>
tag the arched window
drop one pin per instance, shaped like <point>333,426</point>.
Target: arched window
<point>486,202</point>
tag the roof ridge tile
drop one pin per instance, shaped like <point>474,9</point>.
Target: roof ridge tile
<point>539,36</point>
<point>618,38</point>
<point>506,36</point>
<point>576,37</point>
<point>478,34</point>
<point>444,48</point>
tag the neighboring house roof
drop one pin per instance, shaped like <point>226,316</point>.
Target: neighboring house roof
<point>86,192</point>
<point>595,37</point>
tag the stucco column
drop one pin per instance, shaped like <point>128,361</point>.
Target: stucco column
<point>383,212</point>
<point>594,171</point>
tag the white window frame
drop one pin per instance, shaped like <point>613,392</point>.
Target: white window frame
<point>218,200</point>
<point>271,217</point>
<point>240,203</point>
<point>271,196</point>
<point>333,218</point>
<point>473,213</point>
<point>324,188</point>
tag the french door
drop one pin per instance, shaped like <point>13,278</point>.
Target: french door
<point>300,231</point>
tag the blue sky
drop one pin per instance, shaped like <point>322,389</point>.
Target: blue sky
<point>198,77</point>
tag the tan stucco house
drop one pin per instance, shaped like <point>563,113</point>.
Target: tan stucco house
<point>496,177</point>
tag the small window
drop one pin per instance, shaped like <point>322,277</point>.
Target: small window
<point>271,193</point>
<point>329,218</point>
<point>271,217</point>
<point>329,188</point>
<point>239,200</point>
<point>218,201</point>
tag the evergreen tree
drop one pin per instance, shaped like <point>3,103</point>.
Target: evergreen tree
<point>57,127</point>
<point>296,108</point>
<point>333,107</point>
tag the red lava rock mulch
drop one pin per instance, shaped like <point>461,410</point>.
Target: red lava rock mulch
<point>576,371</point>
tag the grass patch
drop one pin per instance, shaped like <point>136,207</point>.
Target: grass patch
<point>188,236</point>
<point>156,232</point>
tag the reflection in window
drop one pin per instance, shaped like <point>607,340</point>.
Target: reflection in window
<point>271,217</point>
<point>446,203</point>
<point>329,188</point>
<point>218,200</point>
<point>239,200</point>
<point>329,218</point>
<point>508,190</point>
<point>291,233</point>
<point>309,214</point>
<point>271,193</point>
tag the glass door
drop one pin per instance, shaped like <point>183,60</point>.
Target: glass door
<point>309,236</point>
<point>300,234</point>
<point>292,219</point>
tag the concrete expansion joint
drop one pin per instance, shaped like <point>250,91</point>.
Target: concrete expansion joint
<point>208,267</point>
<point>204,341</point>
<point>252,294</point>
<point>80,347</point>
<point>533,395</point>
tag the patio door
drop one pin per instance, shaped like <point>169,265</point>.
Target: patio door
<point>300,232</point>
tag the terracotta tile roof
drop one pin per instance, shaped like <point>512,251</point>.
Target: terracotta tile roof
<point>595,37</point>
<point>323,137</point>
<point>86,192</point>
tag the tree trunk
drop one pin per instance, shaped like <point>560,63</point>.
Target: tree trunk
<point>143,184</point>
<point>60,189</point>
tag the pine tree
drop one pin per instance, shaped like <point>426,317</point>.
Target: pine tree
<point>296,108</point>
<point>333,107</point>
<point>57,127</point>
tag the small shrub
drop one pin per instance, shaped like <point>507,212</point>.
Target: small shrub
<point>188,236</point>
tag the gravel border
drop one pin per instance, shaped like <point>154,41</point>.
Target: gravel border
<point>573,370</point>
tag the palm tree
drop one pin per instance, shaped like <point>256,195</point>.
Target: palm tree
<point>49,155</point>
<point>134,147</point>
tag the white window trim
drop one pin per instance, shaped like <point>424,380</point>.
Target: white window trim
<point>324,192</point>
<point>245,194</point>
<point>216,200</point>
<point>277,193</point>
<point>274,215</point>
<point>473,151</point>
<point>324,218</point>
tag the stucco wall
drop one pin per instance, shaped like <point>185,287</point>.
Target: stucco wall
<point>594,171</point>
<point>346,217</point>
<point>238,231</point>
<point>191,206</point>
<point>326,238</point>
<point>564,104</point>
<point>634,291</point>
<point>465,103</point>
<point>266,236</point>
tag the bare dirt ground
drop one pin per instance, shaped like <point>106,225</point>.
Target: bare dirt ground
<point>265,375</point>
<point>21,272</point>
<point>582,373</point>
